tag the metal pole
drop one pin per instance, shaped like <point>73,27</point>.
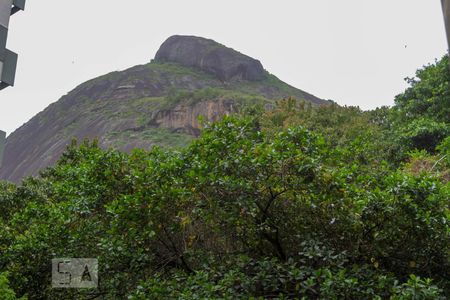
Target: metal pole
<point>5,13</point>
<point>2,145</point>
<point>446,10</point>
<point>8,59</point>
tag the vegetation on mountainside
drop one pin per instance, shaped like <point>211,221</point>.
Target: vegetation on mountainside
<point>161,136</point>
<point>295,203</point>
<point>190,98</point>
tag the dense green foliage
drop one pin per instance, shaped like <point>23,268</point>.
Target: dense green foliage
<point>299,202</point>
<point>422,112</point>
<point>5,292</point>
<point>428,95</point>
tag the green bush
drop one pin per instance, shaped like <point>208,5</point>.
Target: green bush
<point>5,292</point>
<point>424,134</point>
<point>420,118</point>
<point>272,279</point>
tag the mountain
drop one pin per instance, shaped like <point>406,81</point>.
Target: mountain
<point>153,104</point>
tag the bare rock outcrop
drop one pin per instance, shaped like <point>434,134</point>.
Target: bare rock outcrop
<point>211,57</point>
<point>184,118</point>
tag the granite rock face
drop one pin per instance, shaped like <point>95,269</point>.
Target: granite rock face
<point>211,57</point>
<point>183,118</point>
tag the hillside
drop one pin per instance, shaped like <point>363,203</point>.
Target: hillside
<point>153,104</point>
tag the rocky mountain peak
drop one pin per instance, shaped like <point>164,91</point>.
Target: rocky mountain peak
<point>211,57</point>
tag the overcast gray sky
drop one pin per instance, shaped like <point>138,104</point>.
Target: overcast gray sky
<point>356,52</point>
